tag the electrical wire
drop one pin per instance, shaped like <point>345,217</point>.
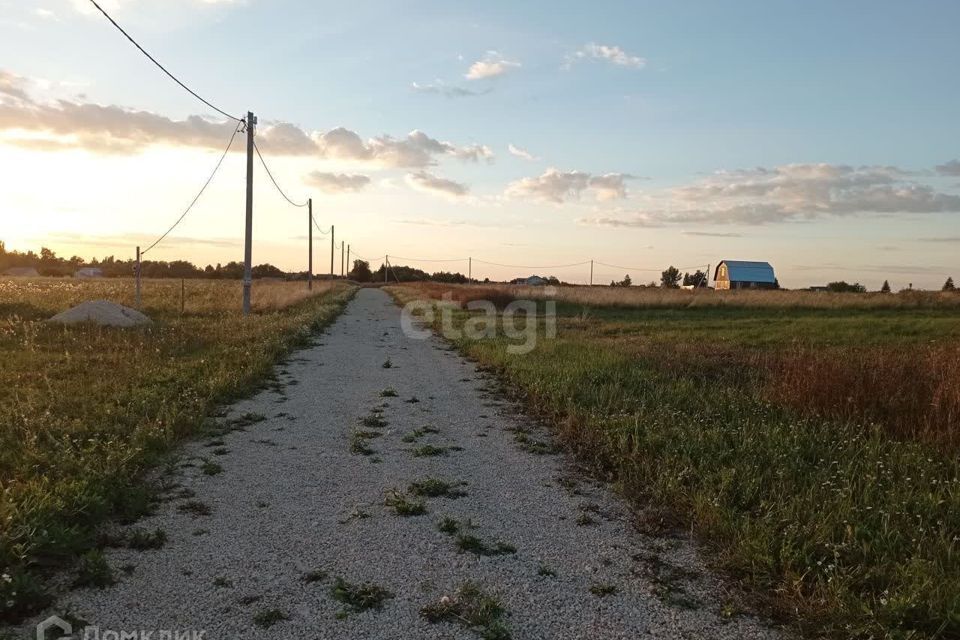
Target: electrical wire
<point>526,266</point>
<point>202,189</point>
<point>162,68</point>
<point>267,169</point>
<point>617,266</point>
<point>314,220</point>
<point>430,260</point>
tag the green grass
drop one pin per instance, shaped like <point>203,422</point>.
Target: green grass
<point>143,540</point>
<point>85,411</point>
<point>830,523</point>
<point>403,505</point>
<point>435,488</point>
<point>472,608</point>
<point>357,598</point>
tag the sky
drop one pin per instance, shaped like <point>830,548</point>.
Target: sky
<point>820,136</point>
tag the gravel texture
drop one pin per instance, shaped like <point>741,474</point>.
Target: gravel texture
<point>293,499</point>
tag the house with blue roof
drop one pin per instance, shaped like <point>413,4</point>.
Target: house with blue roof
<point>744,274</point>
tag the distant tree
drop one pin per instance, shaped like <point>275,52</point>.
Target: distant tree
<point>267,271</point>
<point>626,282</point>
<point>885,288</point>
<point>846,287</point>
<point>698,279</point>
<point>670,279</point>
<point>948,285</point>
<point>360,271</point>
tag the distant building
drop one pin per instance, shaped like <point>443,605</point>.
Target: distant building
<point>532,281</point>
<point>743,274</point>
<point>22,272</point>
<point>88,272</point>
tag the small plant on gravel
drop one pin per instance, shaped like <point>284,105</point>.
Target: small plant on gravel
<point>194,507</point>
<point>546,571</point>
<point>265,441</point>
<point>473,544</point>
<point>472,608</point>
<point>412,400</point>
<point>199,532</point>
<point>358,597</point>
<point>141,540</point>
<point>248,600</point>
<point>388,364</point>
<point>429,451</point>
<point>128,569</point>
<point>603,590</point>
<point>360,446</point>
<point>434,488</point>
<point>389,392</point>
<point>584,519</point>
<point>215,443</point>
<point>373,421</point>
<point>245,420</point>
<point>531,445</point>
<point>93,571</point>
<point>416,434</point>
<point>317,575</point>
<point>269,617</point>
<point>402,505</point>
<point>210,468</point>
<point>184,494</point>
<point>448,526</point>
<point>223,583</point>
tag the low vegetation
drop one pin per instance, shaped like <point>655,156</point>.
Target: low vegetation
<point>357,598</point>
<point>84,410</point>
<point>810,439</point>
<point>472,608</point>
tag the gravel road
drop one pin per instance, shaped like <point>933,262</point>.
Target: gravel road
<point>298,505</point>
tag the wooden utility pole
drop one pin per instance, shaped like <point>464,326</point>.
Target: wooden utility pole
<point>469,269</point>
<point>342,256</point>
<point>248,237</point>
<point>591,273</point>
<point>386,266</point>
<point>310,243</point>
<point>136,272</point>
<point>333,245</point>
<point>348,259</point>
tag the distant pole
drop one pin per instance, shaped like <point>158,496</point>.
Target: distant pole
<point>310,243</point>
<point>248,238</point>
<point>183,295</point>
<point>348,259</point>
<point>333,244</point>
<point>591,273</point>
<point>136,273</point>
<point>386,265</point>
<point>342,255</point>
<point>707,283</point>
<point>469,269</point>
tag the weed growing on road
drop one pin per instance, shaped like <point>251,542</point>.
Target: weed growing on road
<point>317,575</point>
<point>466,541</point>
<point>531,445</point>
<point>93,571</point>
<point>359,444</point>
<point>195,507</point>
<point>269,617</point>
<point>358,597</point>
<point>388,364</point>
<point>141,540</point>
<point>373,421</point>
<point>389,392</point>
<point>603,590</point>
<point>209,468</point>
<point>473,608</point>
<point>222,582</point>
<point>448,526</point>
<point>429,451</point>
<point>402,505</point>
<point>546,571</point>
<point>434,488</point>
<point>416,434</point>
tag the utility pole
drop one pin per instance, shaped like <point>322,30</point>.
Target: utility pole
<point>469,269</point>
<point>137,274</point>
<point>342,245</point>
<point>386,266</point>
<point>310,242</point>
<point>333,244</point>
<point>348,259</point>
<point>248,238</point>
<point>591,273</point>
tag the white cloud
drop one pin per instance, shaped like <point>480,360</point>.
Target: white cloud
<point>439,88</point>
<point>490,66</point>
<point>787,193</point>
<point>65,124</point>
<point>337,182</point>
<point>560,186</point>
<point>520,153</point>
<point>607,53</point>
<point>434,185</point>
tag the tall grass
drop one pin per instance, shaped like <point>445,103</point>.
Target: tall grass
<point>85,410</point>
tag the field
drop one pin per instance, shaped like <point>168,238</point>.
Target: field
<point>84,411</point>
<point>809,440</point>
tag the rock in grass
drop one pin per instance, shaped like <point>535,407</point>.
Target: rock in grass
<point>103,313</point>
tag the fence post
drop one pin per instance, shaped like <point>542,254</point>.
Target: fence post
<point>136,274</point>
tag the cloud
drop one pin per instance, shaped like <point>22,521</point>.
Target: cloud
<point>947,239</point>
<point>64,124</point>
<point>337,182</point>
<point>429,183</point>
<point>606,53</point>
<point>712,234</point>
<point>789,193</point>
<point>520,153</point>
<point>490,66</point>
<point>560,186</point>
<point>439,88</point>
<point>951,168</point>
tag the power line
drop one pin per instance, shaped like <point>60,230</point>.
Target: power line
<point>318,227</point>
<point>202,189</point>
<point>162,68</point>
<point>526,266</point>
<point>617,266</point>
<point>430,259</point>
<point>267,169</point>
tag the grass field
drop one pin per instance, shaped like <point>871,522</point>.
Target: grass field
<point>85,411</point>
<point>811,443</point>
